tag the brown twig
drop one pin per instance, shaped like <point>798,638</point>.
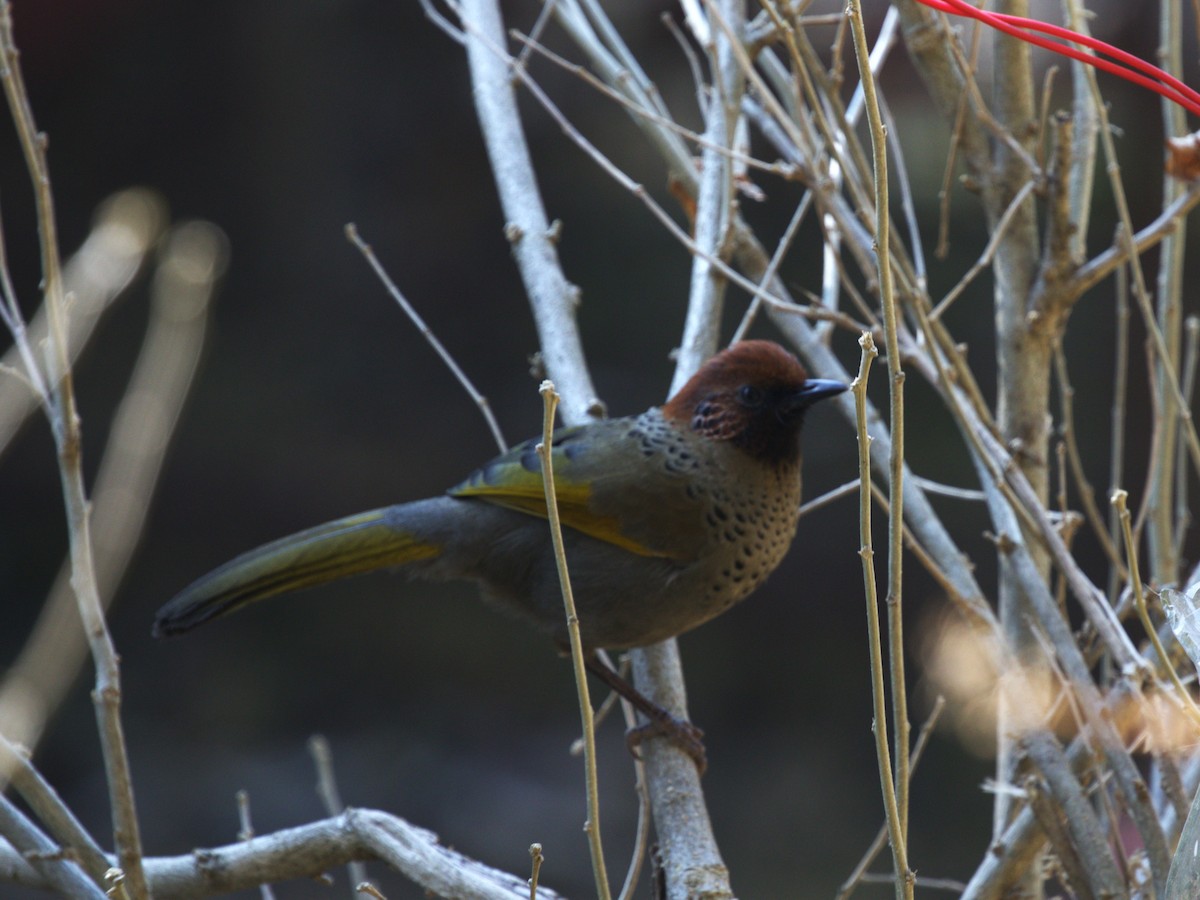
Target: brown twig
<point>65,425</point>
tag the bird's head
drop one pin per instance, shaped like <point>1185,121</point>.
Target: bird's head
<point>752,395</point>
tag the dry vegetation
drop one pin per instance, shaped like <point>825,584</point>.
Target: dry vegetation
<point>1066,670</point>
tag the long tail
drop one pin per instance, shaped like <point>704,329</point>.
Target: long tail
<point>335,550</point>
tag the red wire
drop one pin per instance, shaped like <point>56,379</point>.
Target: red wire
<point>1017,26</point>
<point>1128,58</point>
<point>1020,27</point>
<point>961,7</point>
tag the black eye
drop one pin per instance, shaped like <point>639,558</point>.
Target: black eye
<point>751,396</point>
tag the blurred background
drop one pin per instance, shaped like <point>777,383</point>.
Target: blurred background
<point>317,398</point>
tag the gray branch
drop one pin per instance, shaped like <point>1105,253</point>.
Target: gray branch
<point>690,853</point>
<point>552,297</point>
<point>310,851</point>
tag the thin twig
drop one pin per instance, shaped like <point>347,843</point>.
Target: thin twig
<point>859,873</point>
<point>831,249</point>
<point>331,797</point>
<point>907,201</point>
<point>64,422</point>
<point>1002,480</point>
<point>61,874</point>
<point>1123,251</point>
<point>923,556</point>
<point>535,868</point>
<point>828,497</point>
<point>948,490</point>
<point>781,250</point>
<point>1116,434</point>
<point>1191,365</point>
<point>246,833</point>
<point>1031,583</point>
<point>903,881</point>
<point>592,826</point>
<point>535,35</point>
<point>647,117</point>
<point>989,252</point>
<point>1087,495</point>
<point>956,136</point>
<point>46,804</point>
<point>639,89</point>
<point>641,840</point>
<point>934,884</point>
<point>476,396</point>
<point>899,688</point>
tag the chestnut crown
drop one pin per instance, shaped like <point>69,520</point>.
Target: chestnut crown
<point>753,395</point>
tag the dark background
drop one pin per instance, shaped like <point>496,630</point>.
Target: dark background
<point>317,398</point>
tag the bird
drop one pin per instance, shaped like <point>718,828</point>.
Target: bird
<point>669,518</point>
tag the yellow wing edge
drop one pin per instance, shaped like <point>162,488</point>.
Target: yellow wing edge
<point>525,493</point>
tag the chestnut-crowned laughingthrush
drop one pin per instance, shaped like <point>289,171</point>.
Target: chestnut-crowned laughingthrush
<point>670,517</point>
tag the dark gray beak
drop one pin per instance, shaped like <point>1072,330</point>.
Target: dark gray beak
<point>815,389</point>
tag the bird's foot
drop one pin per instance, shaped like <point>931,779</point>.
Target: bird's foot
<point>683,734</point>
<point>660,723</point>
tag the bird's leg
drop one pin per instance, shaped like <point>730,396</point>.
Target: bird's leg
<point>683,734</point>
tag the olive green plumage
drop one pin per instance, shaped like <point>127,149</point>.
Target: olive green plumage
<point>670,517</point>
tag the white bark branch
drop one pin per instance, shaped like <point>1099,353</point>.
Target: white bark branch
<point>552,297</point>
<point>310,851</point>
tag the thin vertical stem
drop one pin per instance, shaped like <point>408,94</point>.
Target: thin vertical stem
<point>896,459</point>
<point>1176,405</point>
<point>1082,176</point>
<point>1191,359</point>
<point>896,835</point>
<point>64,422</point>
<point>715,194</point>
<point>1116,436</point>
<point>1022,357</point>
<point>1160,533</point>
<point>592,826</point>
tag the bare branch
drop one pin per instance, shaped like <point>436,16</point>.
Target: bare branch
<point>426,332</point>
<point>552,298</point>
<point>331,797</point>
<point>57,872</point>
<point>1085,842</point>
<point>45,803</point>
<point>65,425</point>
<point>311,850</point>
